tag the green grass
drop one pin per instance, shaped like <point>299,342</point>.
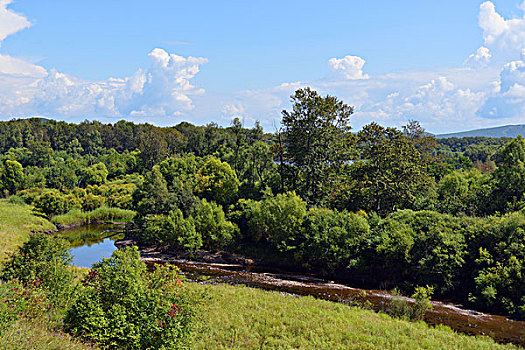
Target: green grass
<point>245,318</point>
<point>16,223</point>
<point>32,335</point>
<point>102,214</point>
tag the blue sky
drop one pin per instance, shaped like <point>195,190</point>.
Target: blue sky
<point>201,61</point>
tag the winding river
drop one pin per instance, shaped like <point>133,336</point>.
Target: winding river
<point>91,243</point>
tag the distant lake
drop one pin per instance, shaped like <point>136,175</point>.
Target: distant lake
<point>91,243</point>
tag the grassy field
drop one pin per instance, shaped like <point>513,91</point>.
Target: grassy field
<point>16,222</point>
<point>246,318</point>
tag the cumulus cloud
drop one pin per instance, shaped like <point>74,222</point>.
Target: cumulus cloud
<point>164,89</point>
<point>482,56</point>
<point>505,37</point>
<point>350,67</point>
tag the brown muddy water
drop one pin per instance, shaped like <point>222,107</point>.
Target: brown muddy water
<point>455,316</point>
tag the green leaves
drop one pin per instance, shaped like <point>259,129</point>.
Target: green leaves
<point>124,306</point>
<point>318,141</point>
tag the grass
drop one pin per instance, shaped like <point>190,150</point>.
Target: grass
<point>238,317</point>
<point>102,214</point>
<point>16,223</point>
<point>33,335</point>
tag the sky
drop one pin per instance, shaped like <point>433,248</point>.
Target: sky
<point>451,65</point>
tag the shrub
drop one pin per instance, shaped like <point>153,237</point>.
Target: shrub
<point>16,200</point>
<point>29,195</point>
<point>278,220</point>
<point>332,239</point>
<point>92,202</point>
<point>50,203</point>
<point>211,223</point>
<point>123,306</point>
<point>44,261</point>
<point>400,306</point>
<point>171,229</point>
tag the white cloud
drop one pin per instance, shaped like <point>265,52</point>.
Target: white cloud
<point>164,89</point>
<point>350,67</point>
<point>505,37</point>
<point>10,22</point>
<point>14,66</point>
<point>482,56</point>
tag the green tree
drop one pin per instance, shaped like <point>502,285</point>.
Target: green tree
<point>332,240</point>
<point>509,177</point>
<point>12,176</point>
<point>318,140</point>
<point>170,230</point>
<point>391,175</point>
<point>153,148</point>
<point>217,181</point>
<point>95,174</point>
<point>452,192</point>
<point>277,220</point>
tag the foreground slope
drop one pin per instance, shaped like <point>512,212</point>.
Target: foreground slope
<point>239,317</point>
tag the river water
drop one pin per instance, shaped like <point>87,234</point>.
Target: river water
<point>92,243</point>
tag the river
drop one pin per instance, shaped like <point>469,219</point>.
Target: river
<point>92,243</point>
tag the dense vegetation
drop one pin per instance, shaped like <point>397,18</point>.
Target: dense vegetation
<point>384,207</point>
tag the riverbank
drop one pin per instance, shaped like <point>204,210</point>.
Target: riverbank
<point>234,269</point>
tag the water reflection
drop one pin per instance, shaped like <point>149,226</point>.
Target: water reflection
<point>91,243</point>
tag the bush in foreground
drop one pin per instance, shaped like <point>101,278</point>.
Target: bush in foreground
<point>43,261</point>
<point>123,306</point>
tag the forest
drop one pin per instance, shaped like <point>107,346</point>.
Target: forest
<point>382,207</point>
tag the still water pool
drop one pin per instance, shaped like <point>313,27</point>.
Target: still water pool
<point>91,243</point>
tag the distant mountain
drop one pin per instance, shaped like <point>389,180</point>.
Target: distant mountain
<point>500,131</point>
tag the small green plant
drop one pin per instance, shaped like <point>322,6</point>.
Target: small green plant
<point>16,200</point>
<point>402,307</point>
<point>123,306</point>
<point>422,302</point>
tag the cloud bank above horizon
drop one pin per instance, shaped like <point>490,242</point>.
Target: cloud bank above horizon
<point>487,90</point>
